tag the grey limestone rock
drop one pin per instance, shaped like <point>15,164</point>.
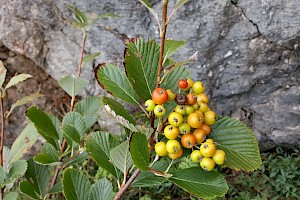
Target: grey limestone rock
<point>249,53</point>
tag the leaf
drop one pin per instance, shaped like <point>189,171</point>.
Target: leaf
<point>98,145</point>
<point>48,155</point>
<point>118,109</point>
<point>27,189</point>
<point>88,105</point>
<point>139,151</point>
<point>2,175</point>
<point>121,157</point>
<point>201,183</point>
<point>101,190</point>
<point>75,120</point>
<point>43,124</point>
<point>149,179</point>
<point>81,18</point>
<point>22,144</point>
<point>17,79</point>
<point>238,142</point>
<point>73,85</point>
<point>17,169</point>
<point>141,65</point>
<point>89,108</point>
<point>38,176</point>
<point>57,123</point>
<point>149,7</point>
<point>106,15</point>
<point>90,57</point>
<point>171,47</point>
<point>180,3</point>
<point>124,122</point>
<point>3,71</point>
<point>71,132</point>
<point>11,196</point>
<point>75,185</point>
<point>78,159</point>
<point>57,188</point>
<point>24,100</point>
<point>115,82</point>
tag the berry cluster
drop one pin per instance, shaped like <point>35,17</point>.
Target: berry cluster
<point>188,125</point>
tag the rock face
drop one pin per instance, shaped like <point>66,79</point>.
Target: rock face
<point>249,51</point>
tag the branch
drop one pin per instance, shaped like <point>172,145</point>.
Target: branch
<point>163,32</point>
<point>127,184</point>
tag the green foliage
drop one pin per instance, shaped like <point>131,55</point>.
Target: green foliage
<point>75,185</point>
<point>201,183</point>
<point>139,151</point>
<point>238,142</point>
<point>171,46</point>
<point>43,124</point>
<point>121,157</point>
<point>73,85</point>
<point>37,179</point>
<point>101,190</point>
<point>115,82</point>
<point>141,64</point>
<point>99,145</point>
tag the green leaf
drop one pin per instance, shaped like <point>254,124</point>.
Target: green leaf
<point>43,124</point>
<point>152,11</point>
<point>89,108</point>
<point>78,159</point>
<point>38,176</point>
<point>118,109</point>
<point>106,15</point>
<point>75,185</point>
<point>90,57</point>
<point>76,120</point>
<point>124,122</point>
<point>121,157</point>
<point>27,189</point>
<point>149,179</point>
<point>80,17</point>
<point>2,175</point>
<point>101,190</point>
<point>57,188</point>
<point>24,100</point>
<point>17,79</point>
<point>98,145</point>
<point>139,151</point>
<point>3,71</point>
<point>115,82</point>
<point>17,169</point>
<point>180,3</point>
<point>73,85</point>
<point>44,159</point>
<point>171,47</point>
<point>201,183</point>
<point>71,132</point>
<point>57,123</point>
<point>22,144</point>
<point>11,196</point>
<point>48,155</point>
<point>238,142</point>
<point>141,64</point>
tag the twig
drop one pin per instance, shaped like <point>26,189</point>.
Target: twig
<point>2,140</point>
<point>2,131</point>
<point>163,32</point>
<point>127,184</point>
